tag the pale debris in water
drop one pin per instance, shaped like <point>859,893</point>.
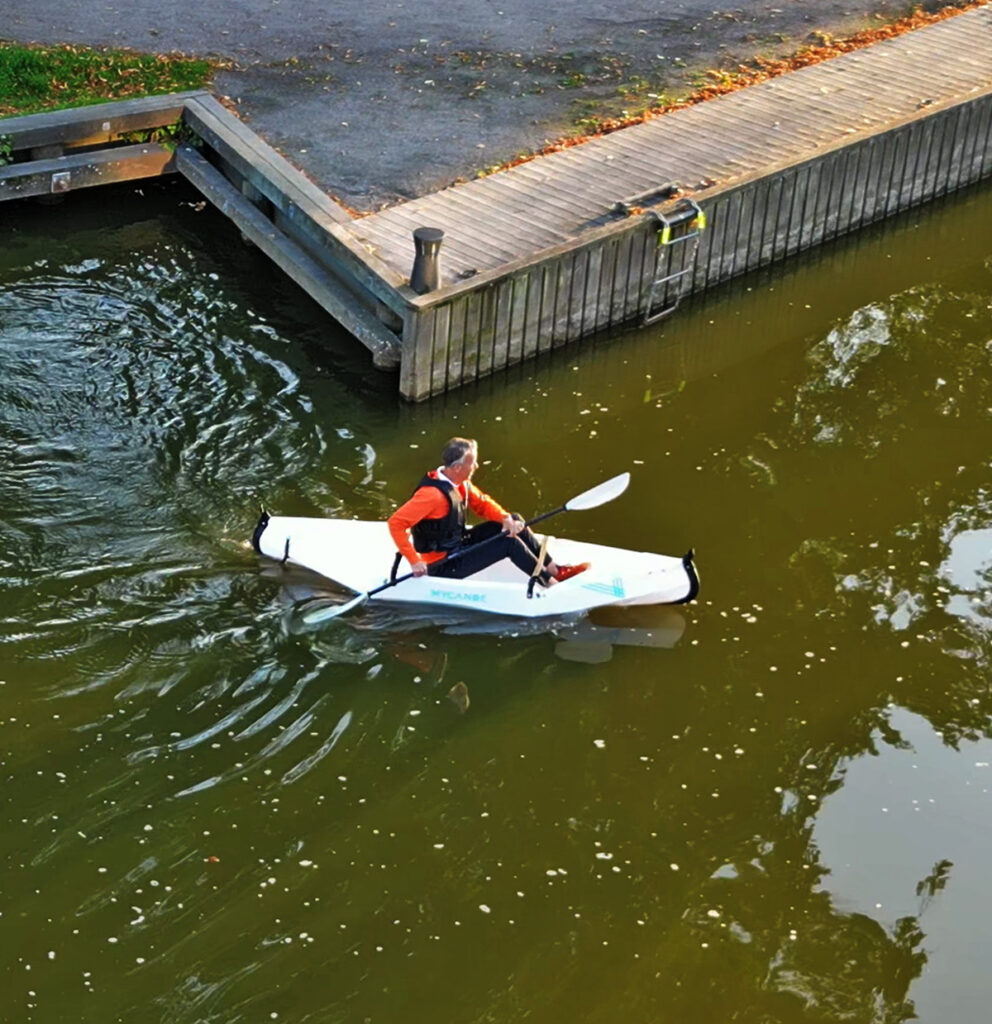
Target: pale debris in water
<point>599,743</point>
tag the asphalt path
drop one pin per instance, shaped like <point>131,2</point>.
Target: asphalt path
<point>383,100</point>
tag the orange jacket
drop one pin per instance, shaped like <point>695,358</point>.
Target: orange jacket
<point>430,503</point>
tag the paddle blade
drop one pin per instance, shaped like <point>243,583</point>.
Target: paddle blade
<point>599,495</point>
<point>332,611</point>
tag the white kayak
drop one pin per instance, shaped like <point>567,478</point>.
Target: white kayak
<point>359,555</point>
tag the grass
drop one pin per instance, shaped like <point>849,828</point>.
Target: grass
<point>35,78</point>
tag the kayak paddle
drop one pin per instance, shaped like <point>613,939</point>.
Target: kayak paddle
<point>593,498</point>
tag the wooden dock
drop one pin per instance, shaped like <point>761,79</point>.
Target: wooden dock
<point>594,236</point>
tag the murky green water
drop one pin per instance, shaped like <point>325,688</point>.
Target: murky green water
<point>770,806</point>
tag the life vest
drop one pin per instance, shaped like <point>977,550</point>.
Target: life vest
<point>446,533</point>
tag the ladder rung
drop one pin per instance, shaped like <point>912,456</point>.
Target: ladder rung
<point>681,238</point>
<point>654,317</point>
<point>671,277</point>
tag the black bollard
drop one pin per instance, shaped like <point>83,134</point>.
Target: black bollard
<point>426,274</point>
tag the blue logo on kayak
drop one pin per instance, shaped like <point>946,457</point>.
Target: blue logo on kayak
<point>614,589</point>
<point>455,595</point>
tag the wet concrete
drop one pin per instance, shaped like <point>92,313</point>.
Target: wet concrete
<point>388,100</point>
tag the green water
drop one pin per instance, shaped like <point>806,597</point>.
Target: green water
<point>769,806</point>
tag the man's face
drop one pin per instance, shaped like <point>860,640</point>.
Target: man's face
<point>466,467</point>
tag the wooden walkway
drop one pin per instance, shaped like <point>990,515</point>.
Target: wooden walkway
<point>514,215</point>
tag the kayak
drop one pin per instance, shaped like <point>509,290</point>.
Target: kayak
<point>359,555</point>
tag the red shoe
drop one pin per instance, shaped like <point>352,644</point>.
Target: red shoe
<point>566,572</point>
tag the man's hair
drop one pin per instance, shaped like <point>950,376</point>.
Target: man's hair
<point>456,449</point>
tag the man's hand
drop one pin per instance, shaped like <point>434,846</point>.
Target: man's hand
<point>419,568</point>
<point>512,526</point>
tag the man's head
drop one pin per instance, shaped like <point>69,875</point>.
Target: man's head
<point>459,457</point>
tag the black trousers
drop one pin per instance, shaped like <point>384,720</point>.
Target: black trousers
<point>474,555</point>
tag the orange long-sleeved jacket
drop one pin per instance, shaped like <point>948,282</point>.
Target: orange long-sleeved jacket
<point>430,503</point>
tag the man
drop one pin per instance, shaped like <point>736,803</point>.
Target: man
<point>429,527</point>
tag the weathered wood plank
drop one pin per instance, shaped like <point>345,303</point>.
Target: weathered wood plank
<point>963,140</point>
<point>867,168</point>
<point>95,124</point>
<point>616,298</point>
<point>486,334</point>
<point>549,293</point>
<point>563,293</point>
<point>473,323</point>
<point>715,233</point>
<point>503,327</point>
<point>644,250</point>
<point>606,284</point>
<point>517,327</point>
<point>589,310</point>
<point>980,165</point>
<point>417,354</point>
<point>847,168</point>
<point>771,225</point>
<point>458,338</point>
<point>577,288</point>
<point>984,165</point>
<point>84,170</point>
<point>441,349</point>
<point>534,277</point>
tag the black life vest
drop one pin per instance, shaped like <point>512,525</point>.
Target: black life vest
<point>447,532</point>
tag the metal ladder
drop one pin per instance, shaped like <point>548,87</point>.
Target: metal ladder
<point>681,225</point>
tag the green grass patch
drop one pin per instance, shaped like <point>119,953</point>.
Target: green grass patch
<point>34,78</point>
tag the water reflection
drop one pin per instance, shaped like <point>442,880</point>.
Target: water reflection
<point>915,807</point>
<point>583,637</point>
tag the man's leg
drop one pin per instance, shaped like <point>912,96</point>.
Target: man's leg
<point>558,572</point>
<point>484,545</point>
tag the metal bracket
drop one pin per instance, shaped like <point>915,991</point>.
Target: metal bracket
<point>653,195</point>
<point>62,181</point>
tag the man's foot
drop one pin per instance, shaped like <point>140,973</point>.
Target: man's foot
<point>566,572</point>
